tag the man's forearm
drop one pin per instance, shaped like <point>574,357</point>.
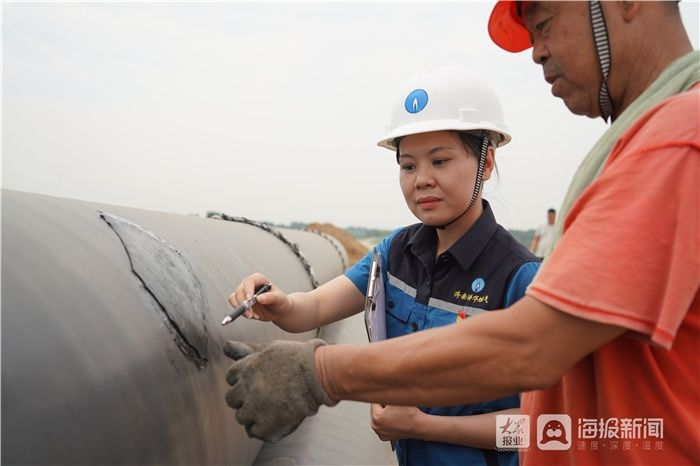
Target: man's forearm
<point>526,347</point>
<point>484,358</point>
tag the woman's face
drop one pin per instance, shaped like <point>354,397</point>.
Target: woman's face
<point>437,175</point>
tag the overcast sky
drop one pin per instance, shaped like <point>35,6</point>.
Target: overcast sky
<point>266,110</point>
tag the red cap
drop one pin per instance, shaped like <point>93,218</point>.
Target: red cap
<point>506,27</point>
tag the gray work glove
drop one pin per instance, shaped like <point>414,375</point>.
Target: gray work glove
<point>274,387</point>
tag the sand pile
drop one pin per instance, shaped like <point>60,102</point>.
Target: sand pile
<point>353,247</point>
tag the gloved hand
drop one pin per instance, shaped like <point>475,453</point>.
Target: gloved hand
<point>274,387</point>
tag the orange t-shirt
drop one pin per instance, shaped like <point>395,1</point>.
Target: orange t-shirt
<point>630,256</point>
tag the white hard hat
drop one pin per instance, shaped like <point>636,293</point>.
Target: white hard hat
<point>451,98</point>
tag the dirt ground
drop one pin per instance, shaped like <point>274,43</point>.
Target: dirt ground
<point>354,248</point>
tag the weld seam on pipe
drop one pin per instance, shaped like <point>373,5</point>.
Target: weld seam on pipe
<point>335,246</point>
<point>278,234</point>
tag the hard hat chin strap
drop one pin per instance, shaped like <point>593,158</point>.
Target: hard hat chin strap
<point>477,183</point>
<point>602,46</point>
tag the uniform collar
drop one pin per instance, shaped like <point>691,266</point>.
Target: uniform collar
<point>424,241</point>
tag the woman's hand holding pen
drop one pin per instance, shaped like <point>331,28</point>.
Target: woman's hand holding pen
<point>395,422</point>
<point>271,306</point>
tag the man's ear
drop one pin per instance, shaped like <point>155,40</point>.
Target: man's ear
<point>630,10</point>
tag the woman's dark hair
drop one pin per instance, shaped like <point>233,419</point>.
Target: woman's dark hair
<point>471,142</point>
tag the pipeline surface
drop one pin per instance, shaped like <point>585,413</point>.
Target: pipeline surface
<point>111,342</point>
<point>339,435</point>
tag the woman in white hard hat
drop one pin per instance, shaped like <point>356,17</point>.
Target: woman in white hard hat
<point>444,131</point>
<point>455,264</point>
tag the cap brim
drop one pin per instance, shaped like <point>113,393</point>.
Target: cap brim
<point>441,125</point>
<point>506,28</point>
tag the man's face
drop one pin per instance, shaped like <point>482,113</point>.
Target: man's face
<point>551,217</point>
<point>563,44</point>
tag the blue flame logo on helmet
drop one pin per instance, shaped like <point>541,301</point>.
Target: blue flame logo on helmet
<point>416,101</point>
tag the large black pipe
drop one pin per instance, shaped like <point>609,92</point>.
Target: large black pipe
<point>111,342</point>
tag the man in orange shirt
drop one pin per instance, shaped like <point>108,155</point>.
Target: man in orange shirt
<point>609,332</point>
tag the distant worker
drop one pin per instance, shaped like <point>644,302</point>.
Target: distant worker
<point>458,263</point>
<point>608,333</point>
<point>543,239</point>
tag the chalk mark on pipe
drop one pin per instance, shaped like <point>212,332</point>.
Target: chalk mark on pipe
<point>163,271</point>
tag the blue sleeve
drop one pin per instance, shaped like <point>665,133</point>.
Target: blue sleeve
<point>359,273</point>
<point>520,281</point>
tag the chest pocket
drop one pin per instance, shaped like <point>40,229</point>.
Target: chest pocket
<point>399,308</point>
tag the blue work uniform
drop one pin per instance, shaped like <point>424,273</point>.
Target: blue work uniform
<point>486,269</point>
